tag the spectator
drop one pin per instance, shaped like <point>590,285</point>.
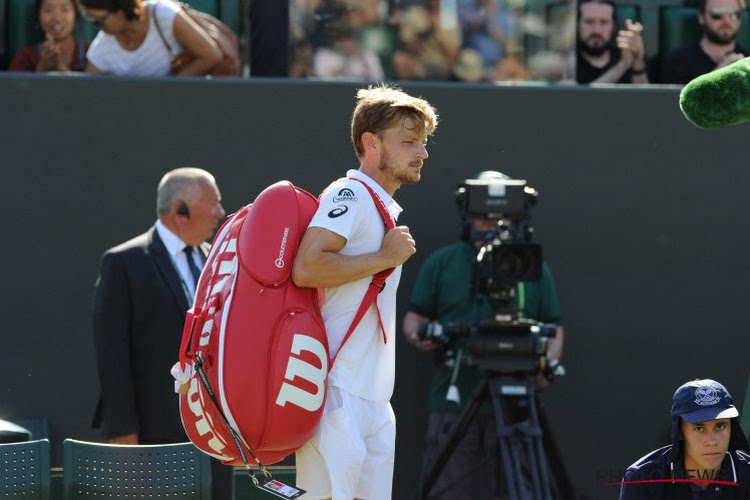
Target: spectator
<point>59,51</point>
<point>429,43</point>
<point>129,42</point>
<point>600,58</point>
<point>487,28</point>
<point>345,57</point>
<point>144,289</point>
<point>708,451</point>
<point>337,39</point>
<point>301,62</point>
<point>721,21</point>
<point>469,67</point>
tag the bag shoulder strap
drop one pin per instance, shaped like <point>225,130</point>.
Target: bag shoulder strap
<point>378,280</point>
<point>161,33</point>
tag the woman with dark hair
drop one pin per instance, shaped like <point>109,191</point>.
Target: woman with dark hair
<point>143,38</point>
<point>59,51</point>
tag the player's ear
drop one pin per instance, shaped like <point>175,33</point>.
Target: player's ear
<point>370,141</point>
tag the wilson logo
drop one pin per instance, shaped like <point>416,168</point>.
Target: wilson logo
<point>203,424</point>
<point>297,368</point>
<point>280,259</point>
<point>224,268</point>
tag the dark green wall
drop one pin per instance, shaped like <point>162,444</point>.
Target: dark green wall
<point>640,214</point>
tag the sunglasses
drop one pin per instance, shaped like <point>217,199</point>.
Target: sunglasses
<point>97,21</point>
<point>719,12</point>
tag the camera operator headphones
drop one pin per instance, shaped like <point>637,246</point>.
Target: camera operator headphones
<point>183,209</point>
<point>466,224</point>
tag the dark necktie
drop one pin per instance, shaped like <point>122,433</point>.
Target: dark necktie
<point>191,264</point>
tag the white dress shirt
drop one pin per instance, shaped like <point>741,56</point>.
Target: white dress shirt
<point>175,247</point>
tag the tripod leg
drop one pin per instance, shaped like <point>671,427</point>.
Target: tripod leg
<point>538,451</point>
<point>521,437</point>
<point>533,467</point>
<point>456,433</point>
<point>562,486</point>
<point>508,450</point>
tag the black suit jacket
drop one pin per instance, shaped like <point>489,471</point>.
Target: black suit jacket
<point>139,312</point>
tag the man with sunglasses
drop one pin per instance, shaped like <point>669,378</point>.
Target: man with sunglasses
<point>721,21</point>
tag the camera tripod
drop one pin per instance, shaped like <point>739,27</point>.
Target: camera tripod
<point>520,443</point>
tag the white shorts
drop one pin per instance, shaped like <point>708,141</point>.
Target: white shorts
<point>352,451</point>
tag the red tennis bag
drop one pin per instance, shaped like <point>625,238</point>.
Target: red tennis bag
<point>256,342</point>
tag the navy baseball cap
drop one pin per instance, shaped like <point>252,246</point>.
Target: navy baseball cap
<point>702,400</point>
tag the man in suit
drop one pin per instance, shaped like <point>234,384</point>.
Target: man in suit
<point>144,288</point>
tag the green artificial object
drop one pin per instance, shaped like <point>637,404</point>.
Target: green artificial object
<point>718,98</point>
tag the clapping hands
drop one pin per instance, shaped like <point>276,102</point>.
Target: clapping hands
<point>630,43</point>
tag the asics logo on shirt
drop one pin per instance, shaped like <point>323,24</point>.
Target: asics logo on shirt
<point>338,211</point>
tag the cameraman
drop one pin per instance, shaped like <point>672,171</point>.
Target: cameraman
<point>444,292</point>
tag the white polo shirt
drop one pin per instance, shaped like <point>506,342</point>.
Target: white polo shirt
<point>366,365</point>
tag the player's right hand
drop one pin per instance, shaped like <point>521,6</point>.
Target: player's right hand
<point>398,245</point>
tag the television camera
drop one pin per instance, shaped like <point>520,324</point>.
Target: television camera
<point>510,348</point>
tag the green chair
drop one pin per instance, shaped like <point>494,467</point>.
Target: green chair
<point>39,427</point>
<point>23,28</point>
<point>24,470</point>
<point>207,6</point>
<point>627,11</point>
<point>230,12</point>
<point>143,471</point>
<point>679,27</point>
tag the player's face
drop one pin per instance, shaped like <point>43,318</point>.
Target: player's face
<point>721,20</point>
<point>595,27</point>
<point>403,152</point>
<point>706,443</point>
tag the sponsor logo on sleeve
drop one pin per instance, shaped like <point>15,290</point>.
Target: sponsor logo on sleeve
<point>345,195</point>
<point>338,211</point>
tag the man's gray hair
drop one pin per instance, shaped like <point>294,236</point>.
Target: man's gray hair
<point>179,184</point>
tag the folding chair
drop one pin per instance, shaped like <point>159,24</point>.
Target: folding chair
<point>24,470</point>
<point>141,471</point>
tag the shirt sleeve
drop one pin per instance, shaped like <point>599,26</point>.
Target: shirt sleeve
<point>111,315</point>
<point>342,209</point>
<point>549,303</point>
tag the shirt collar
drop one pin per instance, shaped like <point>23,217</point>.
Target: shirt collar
<point>172,242</point>
<point>390,204</point>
